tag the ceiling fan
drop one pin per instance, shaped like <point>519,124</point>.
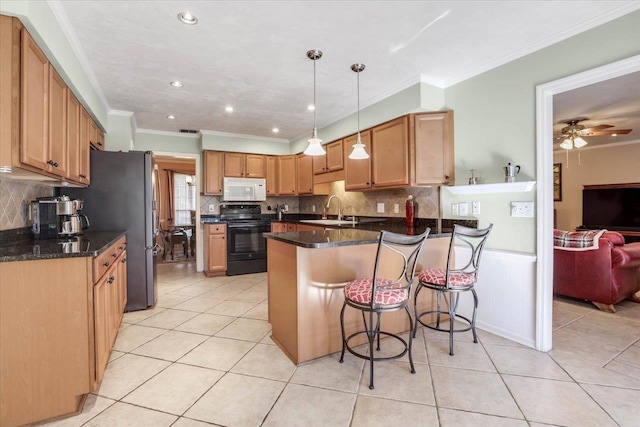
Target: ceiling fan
<point>572,134</point>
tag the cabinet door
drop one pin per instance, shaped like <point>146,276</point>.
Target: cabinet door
<point>100,139</point>
<point>122,285</point>
<point>434,148</point>
<point>335,159</point>
<point>85,146</point>
<point>304,174</point>
<point>272,176</point>
<point>255,166</point>
<point>357,173</point>
<point>217,252</point>
<point>57,162</point>
<point>34,80</point>
<point>101,325</point>
<point>73,136</point>
<point>278,227</point>
<point>213,172</point>
<point>319,164</point>
<point>93,134</point>
<point>291,226</point>
<point>286,175</point>
<point>390,154</point>
<point>114,304</point>
<point>234,165</point>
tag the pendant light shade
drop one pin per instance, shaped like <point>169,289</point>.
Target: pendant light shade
<point>314,148</point>
<point>567,144</point>
<point>358,153</point>
<point>579,142</point>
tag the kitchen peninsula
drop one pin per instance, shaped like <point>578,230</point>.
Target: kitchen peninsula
<point>307,271</point>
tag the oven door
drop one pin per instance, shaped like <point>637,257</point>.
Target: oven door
<point>245,241</point>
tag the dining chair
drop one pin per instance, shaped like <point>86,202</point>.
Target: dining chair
<point>450,282</point>
<point>376,295</point>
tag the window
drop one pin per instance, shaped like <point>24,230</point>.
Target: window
<point>184,196</point>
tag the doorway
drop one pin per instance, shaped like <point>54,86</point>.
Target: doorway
<point>544,172</point>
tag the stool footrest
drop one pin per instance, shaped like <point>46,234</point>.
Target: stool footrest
<point>441,329</point>
<point>375,359</point>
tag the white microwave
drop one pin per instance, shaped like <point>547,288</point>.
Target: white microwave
<point>244,190</point>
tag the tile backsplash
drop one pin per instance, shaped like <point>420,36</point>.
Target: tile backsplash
<point>353,202</point>
<point>14,200</point>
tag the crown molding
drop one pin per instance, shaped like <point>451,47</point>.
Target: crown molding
<point>120,113</point>
<point>239,135</point>
<point>533,47</point>
<point>168,133</point>
<point>596,147</point>
<point>63,21</point>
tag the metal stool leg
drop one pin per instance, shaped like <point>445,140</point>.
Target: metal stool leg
<point>473,319</point>
<point>452,316</point>
<point>372,335</point>
<point>413,370</point>
<point>415,309</point>
<point>344,338</point>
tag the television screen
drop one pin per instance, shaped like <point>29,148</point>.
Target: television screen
<point>613,208</point>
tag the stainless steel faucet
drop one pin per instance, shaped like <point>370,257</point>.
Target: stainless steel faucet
<point>339,205</point>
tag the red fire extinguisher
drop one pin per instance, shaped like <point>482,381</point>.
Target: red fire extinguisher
<point>410,210</point>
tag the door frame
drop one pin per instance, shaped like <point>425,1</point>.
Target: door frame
<point>544,173</point>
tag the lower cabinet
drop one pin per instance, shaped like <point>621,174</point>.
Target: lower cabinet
<point>215,251</point>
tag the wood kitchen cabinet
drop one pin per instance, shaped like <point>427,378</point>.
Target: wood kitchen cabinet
<point>272,175</point>
<point>100,139</point>
<point>73,136</point>
<point>433,139</point>
<point>85,146</point>
<point>58,146</point>
<point>287,175</point>
<point>213,172</point>
<point>283,227</point>
<point>390,154</point>
<point>241,165</point>
<point>330,162</point>
<point>215,251</point>
<point>357,174</point>
<point>304,174</point>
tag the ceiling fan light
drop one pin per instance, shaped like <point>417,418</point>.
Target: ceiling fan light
<point>579,142</point>
<point>567,144</point>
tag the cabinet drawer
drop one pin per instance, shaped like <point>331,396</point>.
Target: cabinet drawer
<point>107,258</point>
<point>216,229</point>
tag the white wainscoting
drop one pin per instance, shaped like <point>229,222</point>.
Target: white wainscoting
<point>506,290</point>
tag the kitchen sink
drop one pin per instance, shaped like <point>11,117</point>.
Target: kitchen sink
<point>328,222</point>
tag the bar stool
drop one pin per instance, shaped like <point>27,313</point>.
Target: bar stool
<point>388,295</point>
<point>451,281</point>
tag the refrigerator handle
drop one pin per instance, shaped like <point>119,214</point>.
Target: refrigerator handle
<point>155,248</point>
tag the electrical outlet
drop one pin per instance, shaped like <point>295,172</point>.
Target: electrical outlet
<point>212,208</point>
<point>475,208</point>
<point>285,208</point>
<point>522,209</point>
<point>396,208</point>
<point>313,208</point>
<point>463,208</point>
<point>454,209</point>
<point>380,207</point>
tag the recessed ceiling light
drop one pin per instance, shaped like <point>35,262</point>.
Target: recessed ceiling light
<point>187,18</point>
<point>176,83</point>
<point>228,109</point>
<point>311,107</point>
<point>614,134</point>
<point>171,117</point>
<point>275,130</point>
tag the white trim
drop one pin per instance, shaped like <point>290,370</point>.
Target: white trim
<point>198,227</point>
<point>544,196</point>
<point>595,147</point>
<point>533,47</point>
<point>241,136</point>
<point>167,133</point>
<point>70,34</point>
<point>120,113</point>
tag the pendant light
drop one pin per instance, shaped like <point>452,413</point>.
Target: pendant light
<point>358,152</point>
<point>314,148</point>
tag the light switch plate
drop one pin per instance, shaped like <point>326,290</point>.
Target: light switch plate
<point>313,208</point>
<point>475,208</point>
<point>454,209</point>
<point>463,208</point>
<point>212,208</point>
<point>380,207</point>
<point>396,208</point>
<point>522,209</point>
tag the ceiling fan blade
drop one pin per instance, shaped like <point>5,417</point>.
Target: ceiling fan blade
<point>609,132</point>
<point>594,128</point>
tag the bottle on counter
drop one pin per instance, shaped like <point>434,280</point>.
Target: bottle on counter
<point>410,211</point>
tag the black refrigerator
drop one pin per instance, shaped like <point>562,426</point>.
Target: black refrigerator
<point>122,196</point>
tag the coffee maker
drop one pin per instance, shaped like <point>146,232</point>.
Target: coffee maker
<point>57,217</point>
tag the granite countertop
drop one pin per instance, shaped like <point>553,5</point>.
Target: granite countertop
<point>88,244</point>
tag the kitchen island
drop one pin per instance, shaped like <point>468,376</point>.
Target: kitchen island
<point>307,271</point>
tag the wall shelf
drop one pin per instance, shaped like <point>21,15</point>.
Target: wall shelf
<point>500,187</point>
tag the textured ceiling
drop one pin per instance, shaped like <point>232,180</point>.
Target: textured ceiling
<point>251,54</point>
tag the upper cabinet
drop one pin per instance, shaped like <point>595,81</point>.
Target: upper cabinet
<point>357,174</point>
<point>304,174</point>
<point>272,175</point>
<point>390,154</point>
<point>213,172</point>
<point>330,162</point>
<point>433,133</point>
<point>287,175</point>
<point>242,165</point>
<point>42,135</point>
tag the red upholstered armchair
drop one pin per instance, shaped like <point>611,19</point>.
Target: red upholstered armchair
<point>596,265</point>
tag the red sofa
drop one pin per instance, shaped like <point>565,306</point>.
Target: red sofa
<point>604,276</point>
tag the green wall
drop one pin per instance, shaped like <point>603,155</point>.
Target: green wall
<point>495,120</point>
<point>244,143</point>
<point>167,143</point>
<point>120,133</point>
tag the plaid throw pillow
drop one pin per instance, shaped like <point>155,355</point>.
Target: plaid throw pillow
<point>577,240</point>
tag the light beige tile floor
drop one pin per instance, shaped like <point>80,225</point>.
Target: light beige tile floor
<point>203,357</point>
